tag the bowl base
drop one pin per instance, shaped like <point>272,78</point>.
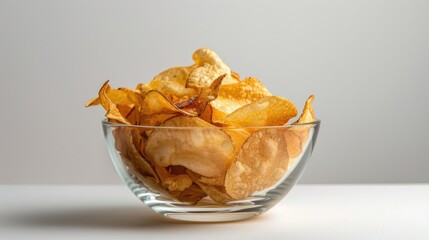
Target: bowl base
<point>211,217</point>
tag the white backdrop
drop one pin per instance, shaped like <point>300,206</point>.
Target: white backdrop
<point>366,61</point>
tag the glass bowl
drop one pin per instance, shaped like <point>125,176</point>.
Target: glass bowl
<point>176,171</point>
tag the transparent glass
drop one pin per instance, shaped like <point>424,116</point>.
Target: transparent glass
<point>273,157</point>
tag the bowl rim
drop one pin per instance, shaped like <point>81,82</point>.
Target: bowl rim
<point>106,123</point>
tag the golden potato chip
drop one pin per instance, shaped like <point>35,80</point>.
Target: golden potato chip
<point>192,194</point>
<point>207,56</point>
<point>209,67</point>
<point>155,103</point>
<point>128,142</point>
<point>177,182</point>
<point>175,74</point>
<point>267,111</point>
<point>182,103</point>
<point>172,90</point>
<point>156,119</point>
<point>235,75</point>
<point>234,96</point>
<point>112,111</point>
<point>93,102</point>
<point>173,182</point>
<point>293,142</point>
<point>217,115</point>
<point>216,193</point>
<point>217,181</point>
<point>207,114</point>
<point>238,136</point>
<point>262,161</point>
<point>203,76</point>
<point>207,151</point>
<point>307,115</point>
<point>171,83</point>
<point>143,88</point>
<point>118,103</point>
<point>148,180</point>
<point>205,96</point>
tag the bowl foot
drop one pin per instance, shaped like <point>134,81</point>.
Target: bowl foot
<point>211,217</point>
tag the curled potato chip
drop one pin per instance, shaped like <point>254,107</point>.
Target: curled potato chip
<point>209,67</point>
<point>262,161</point>
<point>235,75</point>
<point>93,102</point>
<point>307,114</point>
<point>207,56</point>
<point>155,103</point>
<point>112,111</point>
<point>207,114</point>
<point>205,96</point>
<point>118,103</point>
<point>207,151</point>
<point>234,96</point>
<point>267,111</point>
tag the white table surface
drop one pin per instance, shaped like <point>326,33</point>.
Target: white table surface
<point>308,212</point>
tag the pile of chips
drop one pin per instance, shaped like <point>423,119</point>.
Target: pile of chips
<point>211,143</point>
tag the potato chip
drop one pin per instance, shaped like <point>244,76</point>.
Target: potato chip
<point>182,103</point>
<point>207,56</point>
<point>171,83</point>
<point>172,90</point>
<point>207,151</point>
<point>293,142</point>
<point>267,111</point>
<point>192,194</point>
<point>262,161</point>
<point>234,96</point>
<point>235,75</point>
<point>175,74</point>
<point>127,142</point>
<point>156,119</point>
<point>173,182</point>
<point>210,67</point>
<point>93,102</point>
<point>207,114</point>
<point>150,182</point>
<point>156,106</point>
<point>177,182</point>
<point>238,136</point>
<point>217,181</point>
<point>205,96</point>
<point>307,115</point>
<point>118,103</point>
<point>216,193</point>
<point>112,111</point>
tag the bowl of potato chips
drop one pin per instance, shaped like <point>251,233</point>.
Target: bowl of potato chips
<point>198,143</point>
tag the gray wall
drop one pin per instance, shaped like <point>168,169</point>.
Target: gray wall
<point>367,62</point>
